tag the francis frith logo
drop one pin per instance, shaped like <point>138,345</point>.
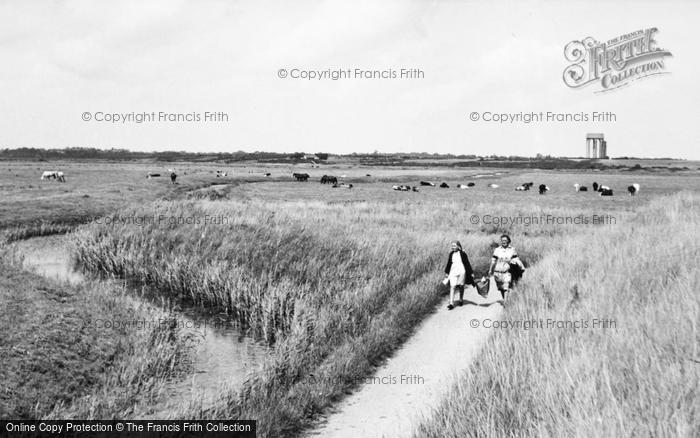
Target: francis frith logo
<point>616,62</point>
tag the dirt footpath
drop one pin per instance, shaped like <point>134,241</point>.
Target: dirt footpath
<point>414,380</point>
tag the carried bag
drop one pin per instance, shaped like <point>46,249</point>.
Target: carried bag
<point>482,286</point>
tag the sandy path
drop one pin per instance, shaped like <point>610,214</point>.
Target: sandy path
<point>417,376</point>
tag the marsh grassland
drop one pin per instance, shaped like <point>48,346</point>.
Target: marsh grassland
<point>334,280</point>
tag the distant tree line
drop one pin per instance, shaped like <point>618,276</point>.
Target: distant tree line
<point>76,153</point>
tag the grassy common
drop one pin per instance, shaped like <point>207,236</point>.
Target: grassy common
<point>333,280</point>
<point>637,378</point>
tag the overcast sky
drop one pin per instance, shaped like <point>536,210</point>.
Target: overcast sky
<point>59,59</point>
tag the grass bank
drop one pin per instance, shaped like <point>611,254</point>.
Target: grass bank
<point>62,358</point>
<point>638,377</point>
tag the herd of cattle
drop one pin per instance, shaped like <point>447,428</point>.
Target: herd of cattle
<point>602,189</point>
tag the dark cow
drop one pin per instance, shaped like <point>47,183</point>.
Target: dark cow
<point>583,189</point>
<point>606,192</point>
<point>543,189</point>
<point>633,189</point>
<point>444,185</point>
<point>173,177</point>
<point>301,176</point>
<point>595,186</point>
<point>328,179</point>
<point>415,189</point>
<point>528,185</point>
<point>471,184</point>
<point>427,183</point>
<point>368,175</point>
<point>152,175</point>
<point>268,174</point>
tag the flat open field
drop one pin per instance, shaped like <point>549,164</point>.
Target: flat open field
<point>328,283</point>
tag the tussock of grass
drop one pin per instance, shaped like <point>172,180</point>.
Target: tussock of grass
<point>41,228</point>
<point>637,379</point>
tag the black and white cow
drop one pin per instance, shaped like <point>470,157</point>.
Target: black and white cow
<point>633,189</point>
<point>427,183</point>
<point>444,185</point>
<point>543,189</point>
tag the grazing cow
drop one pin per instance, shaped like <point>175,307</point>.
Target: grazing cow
<point>301,176</point>
<point>327,179</point>
<point>521,189</point>
<point>415,189</point>
<point>173,177</point>
<point>462,186</point>
<point>493,186</point>
<point>49,174</point>
<point>543,189</point>
<point>595,186</point>
<point>633,189</point>
<point>152,175</point>
<point>606,192</point>
<point>427,183</point>
<point>470,184</point>
<point>60,176</point>
<point>444,185</point>
<point>528,185</point>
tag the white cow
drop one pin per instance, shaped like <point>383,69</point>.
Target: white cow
<point>49,174</point>
<point>55,174</point>
<point>493,186</point>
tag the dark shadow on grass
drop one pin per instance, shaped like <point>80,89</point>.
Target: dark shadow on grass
<point>467,302</point>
